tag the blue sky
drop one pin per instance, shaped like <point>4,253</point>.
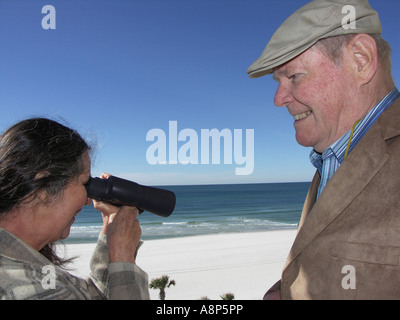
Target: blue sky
<point>116,69</point>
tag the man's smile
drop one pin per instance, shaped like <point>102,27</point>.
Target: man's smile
<point>301,115</point>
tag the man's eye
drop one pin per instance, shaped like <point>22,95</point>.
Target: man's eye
<point>294,77</point>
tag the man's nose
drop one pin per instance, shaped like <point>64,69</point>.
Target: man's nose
<point>283,96</point>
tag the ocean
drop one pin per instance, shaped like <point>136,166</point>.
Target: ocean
<point>211,209</point>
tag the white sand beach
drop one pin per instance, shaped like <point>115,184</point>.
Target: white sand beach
<point>245,264</point>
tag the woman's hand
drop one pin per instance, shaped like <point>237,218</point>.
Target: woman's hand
<point>108,211</point>
<point>122,229</point>
<point>123,235</point>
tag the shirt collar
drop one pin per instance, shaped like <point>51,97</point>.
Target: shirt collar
<point>339,147</point>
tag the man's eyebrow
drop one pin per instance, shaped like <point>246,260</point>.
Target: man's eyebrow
<point>279,73</point>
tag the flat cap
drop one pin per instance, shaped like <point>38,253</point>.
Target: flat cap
<point>316,20</point>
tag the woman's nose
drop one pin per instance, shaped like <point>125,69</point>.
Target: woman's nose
<point>88,201</point>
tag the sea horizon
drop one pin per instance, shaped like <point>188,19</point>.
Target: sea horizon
<point>211,209</point>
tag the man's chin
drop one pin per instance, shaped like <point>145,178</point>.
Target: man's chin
<point>304,141</point>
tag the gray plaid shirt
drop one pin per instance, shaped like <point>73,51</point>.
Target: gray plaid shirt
<point>27,274</point>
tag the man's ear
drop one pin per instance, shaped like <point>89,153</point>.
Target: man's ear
<point>364,54</point>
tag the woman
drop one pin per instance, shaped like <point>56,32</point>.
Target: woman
<point>44,167</point>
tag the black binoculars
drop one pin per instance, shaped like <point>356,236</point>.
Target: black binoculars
<point>121,192</point>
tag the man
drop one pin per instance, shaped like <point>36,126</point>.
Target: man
<point>334,77</point>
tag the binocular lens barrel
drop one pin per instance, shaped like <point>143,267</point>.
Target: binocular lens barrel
<point>121,192</point>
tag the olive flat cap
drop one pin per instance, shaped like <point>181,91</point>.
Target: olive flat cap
<point>316,20</point>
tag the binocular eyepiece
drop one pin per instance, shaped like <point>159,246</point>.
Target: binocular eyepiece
<point>121,192</point>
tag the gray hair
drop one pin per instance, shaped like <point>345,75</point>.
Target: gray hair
<point>332,47</point>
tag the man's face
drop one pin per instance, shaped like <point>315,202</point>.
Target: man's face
<point>318,94</point>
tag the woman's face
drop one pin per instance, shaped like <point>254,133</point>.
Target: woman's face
<point>60,215</point>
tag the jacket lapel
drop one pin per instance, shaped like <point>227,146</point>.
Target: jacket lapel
<point>310,199</point>
<point>359,168</point>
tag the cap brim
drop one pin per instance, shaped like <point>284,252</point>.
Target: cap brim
<point>259,68</point>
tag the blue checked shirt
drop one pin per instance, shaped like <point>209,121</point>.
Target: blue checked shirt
<point>329,161</point>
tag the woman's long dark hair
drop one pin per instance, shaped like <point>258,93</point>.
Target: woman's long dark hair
<point>38,154</point>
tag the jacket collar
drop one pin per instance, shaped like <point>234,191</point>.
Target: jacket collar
<point>14,248</point>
